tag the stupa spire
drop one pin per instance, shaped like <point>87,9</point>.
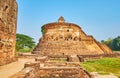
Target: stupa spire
<point>61,19</point>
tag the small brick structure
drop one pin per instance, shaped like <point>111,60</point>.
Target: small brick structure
<point>8,22</point>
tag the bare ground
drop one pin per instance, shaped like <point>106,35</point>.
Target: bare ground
<point>96,75</point>
<point>8,70</point>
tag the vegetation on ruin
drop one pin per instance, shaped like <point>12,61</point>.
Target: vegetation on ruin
<point>103,66</point>
<point>43,30</point>
<point>24,43</point>
<point>113,43</point>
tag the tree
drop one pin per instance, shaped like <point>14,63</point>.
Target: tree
<point>102,41</point>
<point>108,42</point>
<point>23,42</point>
<point>116,43</point>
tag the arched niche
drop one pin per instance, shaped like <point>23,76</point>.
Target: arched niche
<point>76,39</point>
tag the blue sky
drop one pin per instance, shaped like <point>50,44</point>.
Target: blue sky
<point>100,18</point>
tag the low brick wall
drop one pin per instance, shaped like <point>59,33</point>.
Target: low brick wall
<point>93,57</point>
<point>62,64</point>
<point>27,55</point>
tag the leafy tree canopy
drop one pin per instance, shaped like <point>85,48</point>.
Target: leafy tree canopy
<point>23,42</point>
<point>114,44</point>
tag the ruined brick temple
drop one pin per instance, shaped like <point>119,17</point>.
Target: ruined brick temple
<point>8,18</point>
<point>61,41</point>
<point>63,38</point>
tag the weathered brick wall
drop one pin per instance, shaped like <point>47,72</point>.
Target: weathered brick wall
<point>8,18</point>
<point>68,48</point>
<point>106,49</point>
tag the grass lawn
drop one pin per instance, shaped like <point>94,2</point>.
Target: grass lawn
<point>103,66</point>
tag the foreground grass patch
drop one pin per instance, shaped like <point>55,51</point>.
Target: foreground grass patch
<point>103,66</point>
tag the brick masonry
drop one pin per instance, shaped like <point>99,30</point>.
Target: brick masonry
<point>8,19</point>
<point>41,68</point>
<point>62,38</point>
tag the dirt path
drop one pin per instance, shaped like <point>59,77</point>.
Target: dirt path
<point>96,75</point>
<point>8,70</point>
<point>106,76</point>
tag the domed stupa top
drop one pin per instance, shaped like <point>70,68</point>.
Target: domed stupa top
<point>61,23</point>
<point>61,19</point>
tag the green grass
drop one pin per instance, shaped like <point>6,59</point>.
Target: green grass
<point>116,51</point>
<point>25,50</point>
<point>103,66</point>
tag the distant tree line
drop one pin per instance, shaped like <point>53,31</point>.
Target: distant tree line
<point>113,43</point>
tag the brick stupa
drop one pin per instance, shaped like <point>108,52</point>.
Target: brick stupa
<point>62,38</point>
